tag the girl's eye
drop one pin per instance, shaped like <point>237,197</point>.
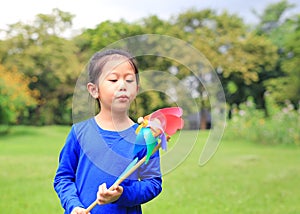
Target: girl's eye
<point>129,80</point>
<point>113,80</point>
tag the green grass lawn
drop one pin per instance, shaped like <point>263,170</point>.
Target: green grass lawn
<point>242,177</point>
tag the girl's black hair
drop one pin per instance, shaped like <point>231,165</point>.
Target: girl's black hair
<point>99,59</point>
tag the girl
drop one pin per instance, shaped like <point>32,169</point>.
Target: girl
<point>97,150</point>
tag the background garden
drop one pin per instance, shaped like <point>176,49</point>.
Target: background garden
<point>256,167</point>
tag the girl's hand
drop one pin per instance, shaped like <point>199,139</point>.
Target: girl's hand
<point>106,196</point>
<point>79,210</point>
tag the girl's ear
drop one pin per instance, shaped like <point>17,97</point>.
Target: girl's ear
<point>93,90</point>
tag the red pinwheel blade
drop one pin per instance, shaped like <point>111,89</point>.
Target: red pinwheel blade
<point>173,123</point>
<point>159,118</point>
<point>177,111</point>
<point>161,115</point>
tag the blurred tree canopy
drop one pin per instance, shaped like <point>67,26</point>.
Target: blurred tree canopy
<point>284,32</point>
<point>44,65</point>
<point>16,97</point>
<point>50,60</point>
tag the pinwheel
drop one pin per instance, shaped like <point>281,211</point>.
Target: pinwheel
<point>154,131</point>
<point>157,128</point>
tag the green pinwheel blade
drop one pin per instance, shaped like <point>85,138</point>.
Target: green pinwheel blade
<point>150,142</point>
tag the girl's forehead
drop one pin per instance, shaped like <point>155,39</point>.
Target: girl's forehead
<point>118,65</point>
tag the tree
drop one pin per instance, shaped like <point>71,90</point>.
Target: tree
<point>273,23</point>
<point>240,58</point>
<point>15,96</point>
<point>40,53</point>
<point>287,87</point>
<point>284,32</point>
<point>105,33</point>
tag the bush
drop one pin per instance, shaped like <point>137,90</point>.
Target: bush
<point>282,127</point>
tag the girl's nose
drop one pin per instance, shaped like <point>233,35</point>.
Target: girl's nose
<point>122,85</point>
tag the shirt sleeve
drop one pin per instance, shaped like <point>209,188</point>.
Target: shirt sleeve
<point>145,189</point>
<point>64,180</point>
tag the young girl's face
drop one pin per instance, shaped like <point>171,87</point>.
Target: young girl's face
<point>117,85</point>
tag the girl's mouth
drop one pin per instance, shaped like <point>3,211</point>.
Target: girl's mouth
<point>123,97</point>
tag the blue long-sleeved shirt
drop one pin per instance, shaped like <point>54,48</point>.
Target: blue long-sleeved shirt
<point>92,156</point>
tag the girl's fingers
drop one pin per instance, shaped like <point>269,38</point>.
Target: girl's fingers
<point>102,188</point>
<point>118,189</point>
<point>102,194</point>
<point>105,195</point>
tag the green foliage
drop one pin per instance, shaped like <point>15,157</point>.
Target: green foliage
<point>239,56</point>
<point>249,62</point>
<point>284,32</point>
<point>272,18</point>
<point>106,33</point>
<point>248,123</point>
<point>288,86</point>
<point>16,98</point>
<point>51,61</point>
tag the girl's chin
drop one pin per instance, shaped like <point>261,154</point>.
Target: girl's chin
<point>121,107</point>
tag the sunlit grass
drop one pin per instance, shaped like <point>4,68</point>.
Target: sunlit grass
<point>28,160</point>
<point>242,177</point>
